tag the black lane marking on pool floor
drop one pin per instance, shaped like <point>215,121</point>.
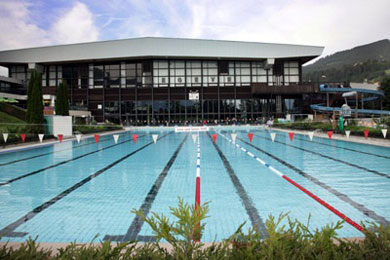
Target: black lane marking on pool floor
<point>344,148</point>
<point>136,225</point>
<point>60,163</point>
<point>251,210</point>
<point>368,212</point>
<point>43,154</point>
<point>8,231</point>
<point>330,158</point>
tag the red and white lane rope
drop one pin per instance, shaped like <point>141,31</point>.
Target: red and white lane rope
<point>313,196</point>
<point>197,190</point>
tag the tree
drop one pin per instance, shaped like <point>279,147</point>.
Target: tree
<point>62,100</point>
<point>35,102</point>
<point>385,87</point>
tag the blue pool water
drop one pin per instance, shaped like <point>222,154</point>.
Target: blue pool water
<point>75,192</point>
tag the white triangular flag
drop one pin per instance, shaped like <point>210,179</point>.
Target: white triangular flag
<point>384,132</point>
<point>116,137</point>
<point>273,135</point>
<point>78,138</point>
<point>194,138</point>
<point>5,136</point>
<point>347,133</point>
<point>234,136</point>
<point>154,138</point>
<point>311,134</point>
<point>41,137</point>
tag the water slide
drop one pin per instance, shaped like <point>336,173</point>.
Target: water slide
<point>375,95</point>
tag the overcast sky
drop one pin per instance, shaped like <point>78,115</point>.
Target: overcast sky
<point>334,24</point>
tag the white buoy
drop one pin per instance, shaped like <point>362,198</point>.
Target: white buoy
<point>116,137</point>
<point>384,132</point>
<point>234,136</point>
<point>194,138</point>
<point>154,138</point>
<point>273,135</point>
<point>40,136</point>
<point>347,133</point>
<point>78,138</point>
<point>311,134</point>
<point>5,136</point>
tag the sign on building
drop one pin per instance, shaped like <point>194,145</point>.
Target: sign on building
<point>193,95</point>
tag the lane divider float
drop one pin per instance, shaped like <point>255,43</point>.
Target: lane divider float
<point>197,187</point>
<point>307,192</point>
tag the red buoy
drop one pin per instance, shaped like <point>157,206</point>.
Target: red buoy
<point>60,137</point>
<point>291,134</point>
<point>96,138</point>
<point>135,138</point>
<point>330,133</point>
<point>250,135</point>
<point>366,134</point>
<point>23,136</point>
<point>214,138</point>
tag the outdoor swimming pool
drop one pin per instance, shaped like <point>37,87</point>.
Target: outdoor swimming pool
<point>72,192</point>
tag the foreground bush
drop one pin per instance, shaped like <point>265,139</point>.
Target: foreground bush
<point>291,241</point>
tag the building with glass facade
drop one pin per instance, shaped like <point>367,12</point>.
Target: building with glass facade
<point>158,80</point>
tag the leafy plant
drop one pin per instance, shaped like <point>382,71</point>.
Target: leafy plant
<point>183,233</point>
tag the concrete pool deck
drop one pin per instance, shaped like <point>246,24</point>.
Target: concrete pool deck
<point>354,139</point>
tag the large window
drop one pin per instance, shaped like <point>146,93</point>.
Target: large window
<point>291,72</point>
<point>243,72</point>
<point>160,74</point>
<point>177,73</point>
<point>226,73</point>
<point>112,75</point>
<point>133,73</point>
<point>210,73</point>
<point>259,74</point>
<point>98,76</point>
<point>194,73</point>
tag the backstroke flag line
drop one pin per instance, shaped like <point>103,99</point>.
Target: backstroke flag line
<point>116,137</point>
<point>234,136</point>
<point>78,138</point>
<point>40,136</point>
<point>347,133</point>
<point>384,132</point>
<point>194,138</point>
<point>311,134</point>
<point>5,136</point>
<point>273,135</point>
<point>154,138</point>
